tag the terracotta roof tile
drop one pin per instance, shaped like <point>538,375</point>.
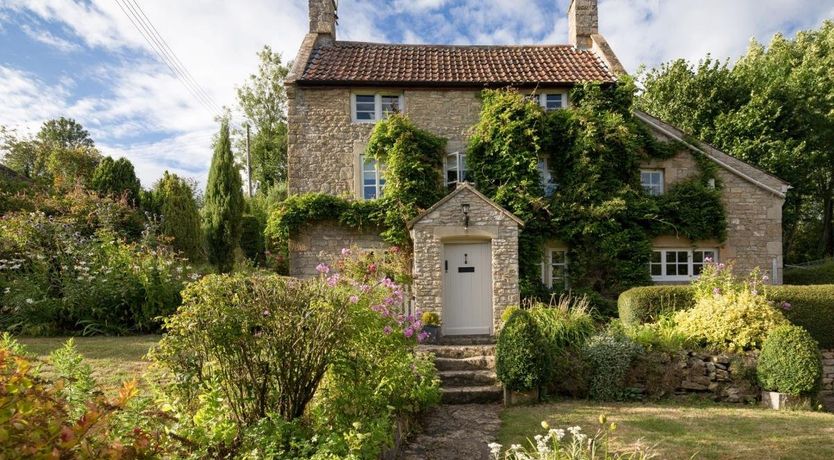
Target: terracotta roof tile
<point>374,63</point>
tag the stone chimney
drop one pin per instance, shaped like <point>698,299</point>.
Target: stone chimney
<point>323,17</point>
<point>583,21</point>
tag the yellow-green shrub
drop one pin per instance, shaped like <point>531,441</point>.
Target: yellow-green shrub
<point>790,362</point>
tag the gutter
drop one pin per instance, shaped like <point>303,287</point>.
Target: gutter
<point>732,169</point>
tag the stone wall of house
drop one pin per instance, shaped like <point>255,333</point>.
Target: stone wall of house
<point>754,216</point>
<point>445,224</point>
<point>828,370</point>
<point>721,377</point>
<point>323,242</point>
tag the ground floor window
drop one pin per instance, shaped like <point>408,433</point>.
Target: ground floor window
<point>674,264</point>
<point>555,269</point>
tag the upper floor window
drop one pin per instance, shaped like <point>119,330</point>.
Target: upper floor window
<point>652,181</point>
<point>679,264</point>
<point>547,179</point>
<point>373,178</point>
<point>368,108</point>
<point>550,101</point>
<point>455,169</point>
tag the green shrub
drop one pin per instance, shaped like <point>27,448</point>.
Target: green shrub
<point>520,362</point>
<point>430,318</point>
<point>732,321</point>
<point>811,307</point>
<point>790,362</point>
<point>646,304</point>
<point>252,238</point>
<point>661,335</point>
<point>609,356</point>
<point>816,274</point>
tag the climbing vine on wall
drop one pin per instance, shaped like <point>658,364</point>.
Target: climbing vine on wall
<point>598,207</point>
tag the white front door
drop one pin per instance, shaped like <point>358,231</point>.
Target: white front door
<point>467,289</point>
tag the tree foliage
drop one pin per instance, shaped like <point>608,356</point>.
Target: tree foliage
<point>116,178</point>
<point>263,101</point>
<point>180,217</point>
<point>223,204</point>
<point>773,109</point>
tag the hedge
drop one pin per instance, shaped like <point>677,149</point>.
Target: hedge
<point>818,274</point>
<point>644,304</point>
<point>811,307</point>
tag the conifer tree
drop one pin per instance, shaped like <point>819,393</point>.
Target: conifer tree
<point>180,218</point>
<point>223,204</point>
<point>116,178</point>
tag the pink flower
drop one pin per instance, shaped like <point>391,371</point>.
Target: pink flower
<point>716,291</point>
<point>786,306</point>
<point>422,336</point>
<point>354,299</point>
<point>372,268</point>
<point>333,280</point>
<point>322,268</point>
<point>345,252</point>
<point>408,332</point>
<point>266,313</point>
<point>387,330</point>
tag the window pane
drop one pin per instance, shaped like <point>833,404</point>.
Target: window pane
<point>390,104</point>
<point>657,269</point>
<point>365,107</point>
<point>656,257</point>
<point>558,257</point>
<point>652,182</point>
<point>369,193</point>
<point>671,257</point>
<point>553,101</point>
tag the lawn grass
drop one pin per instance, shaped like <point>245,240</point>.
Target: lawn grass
<point>681,430</point>
<point>113,359</point>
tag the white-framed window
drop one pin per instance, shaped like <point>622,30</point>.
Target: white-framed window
<point>550,101</point>
<point>455,169</point>
<point>558,265</point>
<point>678,264</point>
<point>547,179</point>
<point>371,107</point>
<point>652,181</point>
<point>373,178</point>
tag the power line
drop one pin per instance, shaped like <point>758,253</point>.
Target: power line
<point>160,52</point>
<point>176,58</point>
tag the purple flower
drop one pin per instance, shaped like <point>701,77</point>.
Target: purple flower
<point>333,280</point>
<point>387,330</point>
<point>754,291</point>
<point>708,259</point>
<point>266,313</point>
<point>786,306</point>
<point>716,291</point>
<point>765,278</point>
<point>354,299</point>
<point>345,252</point>
<point>322,268</point>
<point>408,332</point>
<point>422,336</point>
<point>721,266</point>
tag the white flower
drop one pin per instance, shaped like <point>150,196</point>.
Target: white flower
<point>7,290</point>
<point>580,437</point>
<point>575,430</point>
<point>557,432</point>
<point>29,301</point>
<point>494,448</point>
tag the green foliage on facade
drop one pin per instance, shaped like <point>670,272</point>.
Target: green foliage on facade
<point>598,208</point>
<point>179,216</point>
<point>224,204</point>
<point>413,160</point>
<point>116,178</point>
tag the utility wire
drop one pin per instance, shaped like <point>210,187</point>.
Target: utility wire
<point>146,34</point>
<point>173,55</point>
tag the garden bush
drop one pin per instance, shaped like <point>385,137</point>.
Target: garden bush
<point>608,356</point>
<point>520,363</point>
<point>53,279</point>
<point>811,307</point>
<point>646,304</point>
<point>810,275</point>
<point>790,362</point>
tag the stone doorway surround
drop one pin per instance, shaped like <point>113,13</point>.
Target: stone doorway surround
<point>445,222</point>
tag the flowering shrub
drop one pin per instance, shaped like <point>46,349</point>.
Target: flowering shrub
<point>569,444</point>
<point>729,314</point>
<point>54,279</point>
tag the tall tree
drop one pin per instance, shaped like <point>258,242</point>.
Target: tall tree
<point>223,203</point>
<point>64,133</point>
<point>180,217</point>
<point>773,109</point>
<point>263,101</point>
<point>117,178</point>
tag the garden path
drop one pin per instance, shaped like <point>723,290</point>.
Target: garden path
<point>455,431</point>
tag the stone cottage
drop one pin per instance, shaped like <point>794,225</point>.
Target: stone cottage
<point>466,246</point>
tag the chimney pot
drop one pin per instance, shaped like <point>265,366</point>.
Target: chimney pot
<point>583,21</point>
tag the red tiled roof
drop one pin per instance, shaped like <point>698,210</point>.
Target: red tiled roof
<point>373,63</point>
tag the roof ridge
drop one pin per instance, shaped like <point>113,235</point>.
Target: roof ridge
<point>442,45</point>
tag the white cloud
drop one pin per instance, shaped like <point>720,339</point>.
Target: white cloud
<point>47,38</point>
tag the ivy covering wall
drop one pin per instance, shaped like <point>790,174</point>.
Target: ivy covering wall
<point>597,208</point>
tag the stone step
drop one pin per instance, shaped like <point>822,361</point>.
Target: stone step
<point>466,340</point>
<point>467,378</point>
<point>459,351</point>
<point>475,363</point>
<point>471,395</point>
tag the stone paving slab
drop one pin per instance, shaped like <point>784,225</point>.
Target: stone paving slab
<point>452,432</point>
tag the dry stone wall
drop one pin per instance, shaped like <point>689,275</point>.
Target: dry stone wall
<point>323,241</point>
<point>828,370</point>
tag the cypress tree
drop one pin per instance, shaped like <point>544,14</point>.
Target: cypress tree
<point>180,216</point>
<point>223,204</point>
<point>117,178</point>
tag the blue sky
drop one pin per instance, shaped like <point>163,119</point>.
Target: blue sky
<point>84,59</point>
